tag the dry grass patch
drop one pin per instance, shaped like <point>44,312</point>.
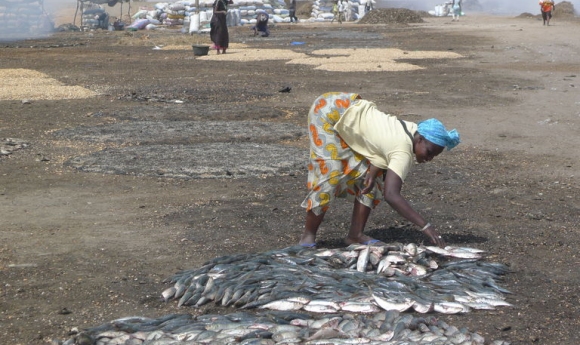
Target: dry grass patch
<point>337,60</point>
<point>20,84</point>
<point>240,54</point>
<point>369,60</point>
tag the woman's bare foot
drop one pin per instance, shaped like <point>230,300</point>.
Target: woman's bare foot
<point>363,239</point>
<point>307,239</point>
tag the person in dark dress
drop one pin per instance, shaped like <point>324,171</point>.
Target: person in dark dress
<point>292,10</point>
<point>218,26</point>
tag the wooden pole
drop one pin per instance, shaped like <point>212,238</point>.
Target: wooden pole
<point>76,11</point>
<point>82,11</point>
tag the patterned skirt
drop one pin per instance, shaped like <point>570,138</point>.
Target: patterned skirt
<point>334,170</point>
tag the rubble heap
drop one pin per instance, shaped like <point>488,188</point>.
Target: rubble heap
<point>391,16</point>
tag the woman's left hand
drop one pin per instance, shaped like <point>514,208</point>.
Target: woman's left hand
<point>370,177</point>
<point>369,184</point>
<point>434,236</point>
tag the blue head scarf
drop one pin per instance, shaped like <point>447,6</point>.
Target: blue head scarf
<point>434,131</point>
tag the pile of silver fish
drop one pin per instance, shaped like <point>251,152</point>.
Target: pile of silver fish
<point>360,292</point>
<point>358,279</point>
<point>278,327</point>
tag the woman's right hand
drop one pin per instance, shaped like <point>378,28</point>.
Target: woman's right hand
<point>434,236</point>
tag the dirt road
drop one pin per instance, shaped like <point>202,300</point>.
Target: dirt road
<point>114,193</point>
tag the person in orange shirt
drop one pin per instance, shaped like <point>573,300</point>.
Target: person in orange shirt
<point>547,6</point>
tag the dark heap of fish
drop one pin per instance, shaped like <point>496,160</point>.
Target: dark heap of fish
<point>277,327</point>
<point>359,278</point>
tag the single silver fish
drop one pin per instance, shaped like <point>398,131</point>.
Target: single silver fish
<point>168,293</point>
<point>411,248</point>
<point>423,308</point>
<point>358,307</point>
<point>395,258</point>
<point>363,259</point>
<point>450,308</point>
<point>390,305</point>
<point>282,305</point>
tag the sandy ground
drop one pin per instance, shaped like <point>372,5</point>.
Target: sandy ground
<point>80,248</point>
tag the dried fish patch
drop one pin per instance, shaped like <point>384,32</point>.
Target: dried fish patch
<point>183,132</point>
<point>211,160</point>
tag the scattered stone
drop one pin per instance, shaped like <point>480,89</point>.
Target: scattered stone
<point>9,145</point>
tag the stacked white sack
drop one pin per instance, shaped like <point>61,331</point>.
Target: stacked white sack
<point>241,12</point>
<point>322,10</point>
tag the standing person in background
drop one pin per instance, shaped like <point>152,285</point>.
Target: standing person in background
<point>358,152</point>
<point>292,10</point>
<point>341,11</point>
<point>218,26</point>
<point>348,16</point>
<point>547,6</point>
<point>103,20</point>
<point>456,9</point>
<point>335,12</point>
<point>368,6</point>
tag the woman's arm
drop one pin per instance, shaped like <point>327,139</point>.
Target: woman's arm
<point>392,195</point>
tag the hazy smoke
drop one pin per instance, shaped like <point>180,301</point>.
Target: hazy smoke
<point>35,18</point>
<point>59,3</point>
<point>26,19</point>
<point>23,19</point>
<point>511,7</point>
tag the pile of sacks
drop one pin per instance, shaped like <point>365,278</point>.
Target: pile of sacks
<point>20,17</point>
<point>241,12</point>
<point>355,10</point>
<point>94,16</point>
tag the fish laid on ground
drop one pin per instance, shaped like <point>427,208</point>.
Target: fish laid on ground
<point>407,276</point>
<point>386,328</point>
